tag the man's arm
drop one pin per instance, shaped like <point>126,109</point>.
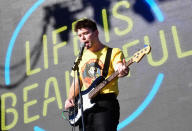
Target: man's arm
<point>73,92</point>
<point>119,63</point>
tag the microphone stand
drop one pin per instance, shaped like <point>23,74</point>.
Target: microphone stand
<point>76,68</point>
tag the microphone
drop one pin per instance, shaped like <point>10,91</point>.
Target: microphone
<point>82,47</point>
<point>76,63</point>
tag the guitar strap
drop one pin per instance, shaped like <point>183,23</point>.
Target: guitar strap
<point>107,62</point>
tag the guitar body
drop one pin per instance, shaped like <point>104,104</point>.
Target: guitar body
<point>75,112</point>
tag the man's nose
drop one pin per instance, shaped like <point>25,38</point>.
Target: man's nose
<point>83,37</point>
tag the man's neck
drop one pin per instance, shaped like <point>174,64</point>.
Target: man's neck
<point>97,47</point>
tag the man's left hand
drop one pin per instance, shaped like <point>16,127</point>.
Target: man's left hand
<point>122,69</point>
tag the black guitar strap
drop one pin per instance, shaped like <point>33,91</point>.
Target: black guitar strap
<point>107,62</point>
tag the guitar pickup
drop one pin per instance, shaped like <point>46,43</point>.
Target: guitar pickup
<point>79,105</point>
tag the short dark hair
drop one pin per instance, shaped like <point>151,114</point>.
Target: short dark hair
<point>85,23</point>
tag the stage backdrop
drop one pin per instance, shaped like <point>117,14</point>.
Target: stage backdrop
<point>38,48</point>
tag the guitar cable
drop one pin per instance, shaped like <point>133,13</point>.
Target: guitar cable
<point>63,115</point>
<point>65,118</point>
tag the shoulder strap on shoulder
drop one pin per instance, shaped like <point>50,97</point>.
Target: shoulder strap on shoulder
<point>107,62</point>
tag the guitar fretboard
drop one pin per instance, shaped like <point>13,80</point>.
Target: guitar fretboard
<point>96,90</point>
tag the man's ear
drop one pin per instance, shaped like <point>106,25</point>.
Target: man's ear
<point>96,32</point>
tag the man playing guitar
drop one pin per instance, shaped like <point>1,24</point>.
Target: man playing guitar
<point>104,115</point>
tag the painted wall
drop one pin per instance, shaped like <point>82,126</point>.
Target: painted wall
<point>38,48</point>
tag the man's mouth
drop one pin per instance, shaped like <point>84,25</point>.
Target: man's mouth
<point>87,44</point>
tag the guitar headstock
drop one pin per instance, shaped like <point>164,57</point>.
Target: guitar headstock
<point>139,54</point>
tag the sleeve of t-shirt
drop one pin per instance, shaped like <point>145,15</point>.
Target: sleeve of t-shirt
<point>117,57</point>
<point>74,73</point>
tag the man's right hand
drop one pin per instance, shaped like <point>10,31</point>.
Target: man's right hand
<point>69,103</point>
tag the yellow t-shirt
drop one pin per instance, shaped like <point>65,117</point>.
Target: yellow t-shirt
<point>91,67</point>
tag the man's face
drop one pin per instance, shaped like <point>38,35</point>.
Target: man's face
<point>87,36</point>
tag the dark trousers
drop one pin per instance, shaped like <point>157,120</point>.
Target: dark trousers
<point>104,116</point>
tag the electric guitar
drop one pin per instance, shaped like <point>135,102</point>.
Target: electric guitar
<point>96,86</point>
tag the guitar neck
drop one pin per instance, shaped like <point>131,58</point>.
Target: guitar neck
<point>96,90</point>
